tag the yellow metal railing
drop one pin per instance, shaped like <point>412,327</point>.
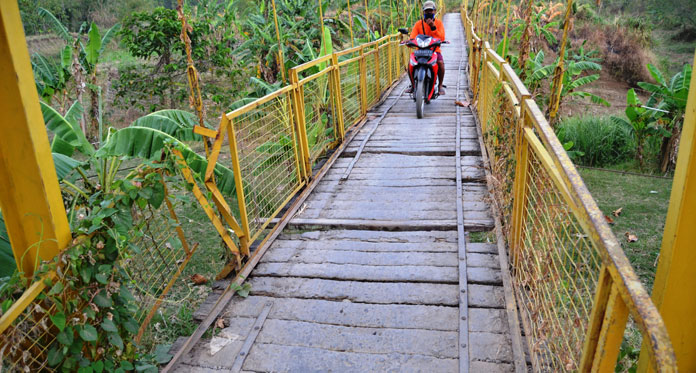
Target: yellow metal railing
<point>275,142</point>
<point>574,286</point>
<point>273,145</point>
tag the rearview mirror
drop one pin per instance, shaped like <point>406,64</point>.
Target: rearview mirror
<point>403,31</point>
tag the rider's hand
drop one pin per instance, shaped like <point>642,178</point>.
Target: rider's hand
<point>430,22</point>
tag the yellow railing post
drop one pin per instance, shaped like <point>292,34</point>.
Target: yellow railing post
<point>378,86</point>
<point>363,81</point>
<point>483,91</point>
<point>239,186</point>
<point>30,198</point>
<point>519,187</point>
<point>299,112</point>
<point>675,283</point>
<point>338,96</point>
<point>389,61</point>
<point>606,325</point>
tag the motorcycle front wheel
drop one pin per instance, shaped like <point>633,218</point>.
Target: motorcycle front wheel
<point>420,99</point>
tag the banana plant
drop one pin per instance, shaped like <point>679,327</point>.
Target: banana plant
<point>641,122</point>
<point>146,138</point>
<point>52,78</point>
<point>669,99</point>
<point>88,56</point>
<point>541,29</point>
<point>575,77</point>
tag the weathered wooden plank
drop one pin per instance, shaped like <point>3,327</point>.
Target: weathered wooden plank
<point>353,291</point>
<point>373,236</point>
<point>490,320</point>
<point>391,161</point>
<point>474,247</point>
<point>483,366</point>
<point>304,359</point>
<point>357,314</point>
<point>367,246</point>
<point>399,160</point>
<point>436,343</point>
<point>385,225</point>
<point>482,260</point>
<point>394,197</point>
<point>342,202</point>
<point>479,275</point>
<point>490,347</point>
<point>392,173</point>
<point>393,214</point>
<point>357,272</point>
<point>302,255</point>
<point>486,296</point>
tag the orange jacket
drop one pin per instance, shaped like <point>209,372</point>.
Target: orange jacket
<point>421,26</point>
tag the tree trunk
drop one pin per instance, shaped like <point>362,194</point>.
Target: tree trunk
<point>94,108</point>
<point>668,150</point>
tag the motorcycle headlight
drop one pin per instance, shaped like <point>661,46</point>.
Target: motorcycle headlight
<point>424,43</point>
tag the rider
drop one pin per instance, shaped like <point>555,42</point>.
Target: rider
<point>431,26</point>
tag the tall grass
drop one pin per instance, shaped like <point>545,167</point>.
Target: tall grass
<point>596,140</point>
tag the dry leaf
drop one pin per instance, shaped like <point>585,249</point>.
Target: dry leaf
<point>630,237</point>
<point>198,279</point>
<point>220,323</point>
<point>617,212</point>
<point>462,103</point>
<point>609,220</point>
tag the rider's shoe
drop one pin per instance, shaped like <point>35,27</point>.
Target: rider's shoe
<point>409,89</point>
<point>441,91</point>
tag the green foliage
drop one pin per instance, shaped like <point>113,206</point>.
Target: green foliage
<point>96,326</point>
<point>7,261</point>
<point>52,77</point>
<point>578,63</point>
<point>542,31</point>
<point>152,34</point>
<point>669,102</point>
<point>641,121</point>
<point>596,141</point>
<point>670,96</point>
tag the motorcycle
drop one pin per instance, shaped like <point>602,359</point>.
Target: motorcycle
<point>423,68</point>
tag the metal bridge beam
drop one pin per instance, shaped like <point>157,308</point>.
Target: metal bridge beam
<point>674,291</point>
<point>30,196</point>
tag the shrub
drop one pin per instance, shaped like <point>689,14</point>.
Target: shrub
<point>596,140</point>
<point>623,51</point>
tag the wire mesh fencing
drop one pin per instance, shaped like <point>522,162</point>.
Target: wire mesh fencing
<point>272,143</point>
<point>351,90</point>
<point>268,157</point>
<point>572,282</point>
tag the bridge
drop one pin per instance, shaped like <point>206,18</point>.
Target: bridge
<point>371,240</point>
<point>377,269</point>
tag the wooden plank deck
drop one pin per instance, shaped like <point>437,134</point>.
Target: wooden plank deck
<point>372,273</point>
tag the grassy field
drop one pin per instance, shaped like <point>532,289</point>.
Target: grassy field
<point>644,202</point>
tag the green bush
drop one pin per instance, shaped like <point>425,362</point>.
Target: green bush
<point>596,140</point>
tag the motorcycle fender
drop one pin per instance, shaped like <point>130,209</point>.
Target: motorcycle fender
<point>420,74</point>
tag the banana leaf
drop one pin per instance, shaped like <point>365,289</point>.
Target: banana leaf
<point>148,143</point>
<point>176,123</point>
<point>66,127</point>
<point>7,261</point>
<point>65,165</point>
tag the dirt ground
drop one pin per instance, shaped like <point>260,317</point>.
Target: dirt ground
<point>606,87</point>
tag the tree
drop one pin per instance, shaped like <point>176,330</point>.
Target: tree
<point>669,98</point>
<point>85,60</point>
<point>641,121</point>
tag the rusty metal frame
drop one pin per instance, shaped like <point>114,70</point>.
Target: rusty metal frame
<point>619,293</point>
